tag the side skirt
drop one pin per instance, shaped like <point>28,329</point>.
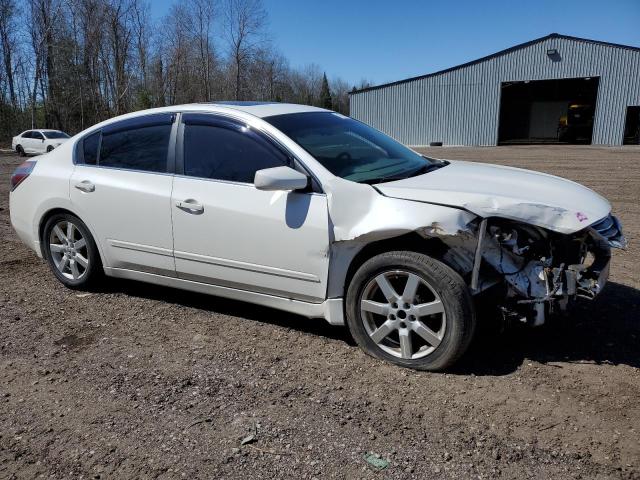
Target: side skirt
<point>331,310</point>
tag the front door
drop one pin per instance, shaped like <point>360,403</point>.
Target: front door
<point>122,187</point>
<point>227,232</point>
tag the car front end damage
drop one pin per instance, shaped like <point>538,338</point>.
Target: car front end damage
<point>538,271</point>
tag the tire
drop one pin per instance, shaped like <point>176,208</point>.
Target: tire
<point>20,151</point>
<point>49,149</point>
<point>441,303</point>
<point>59,253</point>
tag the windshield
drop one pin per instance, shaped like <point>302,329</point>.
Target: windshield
<point>55,134</point>
<point>351,149</point>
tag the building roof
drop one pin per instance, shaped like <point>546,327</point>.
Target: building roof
<point>497,54</point>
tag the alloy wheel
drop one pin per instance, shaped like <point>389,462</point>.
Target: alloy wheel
<point>68,249</point>
<point>408,325</point>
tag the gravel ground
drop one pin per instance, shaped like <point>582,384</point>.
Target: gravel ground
<point>145,382</point>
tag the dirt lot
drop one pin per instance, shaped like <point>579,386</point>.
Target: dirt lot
<point>139,381</point>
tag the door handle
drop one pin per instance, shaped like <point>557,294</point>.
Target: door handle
<point>190,206</point>
<point>85,186</point>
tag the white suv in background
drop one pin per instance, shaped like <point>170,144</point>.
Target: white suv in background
<point>309,211</point>
<point>38,141</point>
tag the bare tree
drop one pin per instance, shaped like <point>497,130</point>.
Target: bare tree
<point>245,22</point>
<point>142,34</point>
<point>203,13</point>
<point>117,51</point>
<point>8,19</point>
<point>340,95</point>
<point>72,63</point>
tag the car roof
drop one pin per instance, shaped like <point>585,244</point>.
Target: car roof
<point>255,109</point>
<point>266,109</point>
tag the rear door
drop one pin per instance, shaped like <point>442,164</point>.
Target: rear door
<point>121,187</point>
<point>37,142</point>
<point>227,232</point>
<point>25,142</point>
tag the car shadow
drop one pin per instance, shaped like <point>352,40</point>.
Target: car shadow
<point>224,306</point>
<point>603,331</point>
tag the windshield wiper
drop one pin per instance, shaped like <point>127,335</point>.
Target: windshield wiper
<point>428,168</point>
<point>420,171</point>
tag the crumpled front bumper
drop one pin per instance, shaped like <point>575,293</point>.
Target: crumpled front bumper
<point>541,287</point>
<point>584,281</point>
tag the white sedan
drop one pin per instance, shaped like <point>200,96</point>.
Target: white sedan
<point>308,211</point>
<point>37,141</point>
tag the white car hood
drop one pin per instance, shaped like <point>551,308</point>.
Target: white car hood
<point>495,191</point>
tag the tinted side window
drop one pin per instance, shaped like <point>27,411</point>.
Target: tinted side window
<point>227,153</point>
<point>143,148</point>
<point>26,134</point>
<point>90,148</point>
<point>37,135</point>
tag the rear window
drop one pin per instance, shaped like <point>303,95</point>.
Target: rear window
<point>90,148</point>
<point>142,148</point>
<point>140,143</point>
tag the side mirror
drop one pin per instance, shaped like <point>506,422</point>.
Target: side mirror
<point>280,178</point>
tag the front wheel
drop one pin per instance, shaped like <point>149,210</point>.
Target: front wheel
<point>411,310</point>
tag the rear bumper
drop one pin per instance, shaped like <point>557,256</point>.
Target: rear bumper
<point>23,228</point>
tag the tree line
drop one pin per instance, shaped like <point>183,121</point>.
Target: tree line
<point>68,64</point>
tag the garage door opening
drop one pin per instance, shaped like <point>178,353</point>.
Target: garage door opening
<point>548,111</point>
<point>632,126</point>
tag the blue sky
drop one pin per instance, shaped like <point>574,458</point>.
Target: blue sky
<point>384,40</point>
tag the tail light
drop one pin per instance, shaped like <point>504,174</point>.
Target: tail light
<point>21,173</point>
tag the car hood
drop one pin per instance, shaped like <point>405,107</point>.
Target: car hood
<point>496,191</point>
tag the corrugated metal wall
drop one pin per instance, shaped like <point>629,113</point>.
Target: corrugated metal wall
<point>462,106</point>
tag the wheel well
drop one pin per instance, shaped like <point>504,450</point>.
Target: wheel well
<point>47,215</point>
<point>433,247</point>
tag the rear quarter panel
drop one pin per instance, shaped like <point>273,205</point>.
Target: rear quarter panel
<point>46,188</point>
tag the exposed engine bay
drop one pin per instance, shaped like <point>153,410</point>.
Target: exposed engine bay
<point>540,271</point>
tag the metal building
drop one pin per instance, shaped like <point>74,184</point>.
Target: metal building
<point>553,89</point>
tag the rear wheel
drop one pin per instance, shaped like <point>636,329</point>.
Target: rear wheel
<point>71,251</point>
<point>20,150</point>
<point>411,310</point>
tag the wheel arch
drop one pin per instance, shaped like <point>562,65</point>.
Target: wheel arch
<point>347,257</point>
<point>63,210</point>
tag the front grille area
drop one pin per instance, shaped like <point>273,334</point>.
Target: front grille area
<point>611,230</point>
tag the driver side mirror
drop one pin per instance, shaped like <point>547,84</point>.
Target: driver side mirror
<point>280,178</point>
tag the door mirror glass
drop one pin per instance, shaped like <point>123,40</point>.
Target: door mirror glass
<point>280,178</point>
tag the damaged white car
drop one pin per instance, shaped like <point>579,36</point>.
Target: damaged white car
<point>309,211</point>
